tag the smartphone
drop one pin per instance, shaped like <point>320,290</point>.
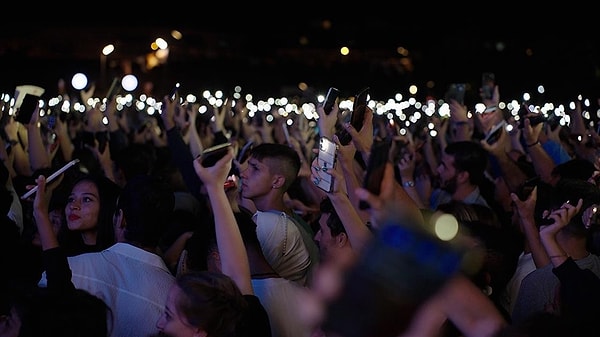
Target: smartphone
<point>211,155</point>
<point>456,91</point>
<point>29,104</point>
<point>330,98</point>
<point>174,91</point>
<point>115,86</point>
<point>326,158</point>
<point>380,155</point>
<point>359,108</point>
<point>494,134</point>
<point>398,148</point>
<point>51,178</point>
<point>51,121</point>
<point>533,119</point>
<point>488,83</point>
<point>86,138</point>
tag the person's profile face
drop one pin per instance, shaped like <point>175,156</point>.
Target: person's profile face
<point>171,322</point>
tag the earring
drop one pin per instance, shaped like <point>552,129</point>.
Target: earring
<point>487,290</point>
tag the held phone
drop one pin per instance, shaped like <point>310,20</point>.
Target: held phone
<point>51,178</point>
<point>357,119</point>
<point>533,119</point>
<point>115,86</point>
<point>174,91</point>
<point>488,83</point>
<point>495,133</point>
<point>28,106</point>
<point>332,96</point>
<point>456,91</point>
<point>213,154</point>
<point>326,158</point>
<point>380,155</point>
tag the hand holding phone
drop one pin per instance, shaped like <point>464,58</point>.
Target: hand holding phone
<point>380,155</point>
<point>495,133</point>
<point>213,154</point>
<point>51,178</point>
<point>326,159</point>
<point>174,92</point>
<point>488,84</point>
<point>29,105</point>
<point>330,99</point>
<point>359,109</point>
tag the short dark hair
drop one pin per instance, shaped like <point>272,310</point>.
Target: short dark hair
<point>288,160</point>
<point>147,203</point>
<point>470,157</point>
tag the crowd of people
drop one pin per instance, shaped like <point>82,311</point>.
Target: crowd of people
<point>461,233</point>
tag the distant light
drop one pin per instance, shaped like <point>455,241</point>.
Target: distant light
<point>79,81</point>
<point>108,49</point>
<point>344,51</point>
<point>176,34</point>
<point>161,43</point>
<point>129,82</point>
<point>413,89</point>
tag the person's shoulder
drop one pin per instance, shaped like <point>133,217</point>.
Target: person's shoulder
<point>267,216</point>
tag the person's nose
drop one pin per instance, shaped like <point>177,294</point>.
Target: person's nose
<point>74,205</point>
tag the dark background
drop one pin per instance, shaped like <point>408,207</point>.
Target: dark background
<point>270,54</point>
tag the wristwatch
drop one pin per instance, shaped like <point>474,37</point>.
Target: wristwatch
<point>408,183</point>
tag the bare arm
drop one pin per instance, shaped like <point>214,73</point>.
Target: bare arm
<point>529,228</point>
<point>234,260</point>
<point>38,155</point>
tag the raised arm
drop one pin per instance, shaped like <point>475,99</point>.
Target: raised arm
<point>357,230</point>
<point>233,256</point>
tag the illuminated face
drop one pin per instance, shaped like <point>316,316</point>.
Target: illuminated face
<point>447,173</point>
<point>257,180</point>
<point>171,322</point>
<point>83,207</point>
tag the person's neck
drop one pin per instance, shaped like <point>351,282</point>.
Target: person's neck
<point>271,204</point>
<point>89,237</point>
<point>463,191</point>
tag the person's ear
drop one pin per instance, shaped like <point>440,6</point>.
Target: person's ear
<point>278,182</point>
<point>462,176</point>
<point>119,220</point>
<point>341,240</point>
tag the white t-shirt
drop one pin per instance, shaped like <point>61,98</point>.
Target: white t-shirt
<point>283,246</point>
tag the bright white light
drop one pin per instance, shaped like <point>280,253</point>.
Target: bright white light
<point>161,43</point>
<point>129,82</point>
<point>446,227</point>
<point>109,48</point>
<point>79,81</point>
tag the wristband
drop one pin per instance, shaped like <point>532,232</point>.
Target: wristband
<point>534,143</point>
<point>409,183</point>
